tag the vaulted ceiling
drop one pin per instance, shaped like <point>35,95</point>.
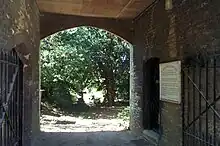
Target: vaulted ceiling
<point>95,8</point>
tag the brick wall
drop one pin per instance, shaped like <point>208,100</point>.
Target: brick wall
<point>120,27</point>
<point>192,26</point>
<point>19,29</point>
<point>189,28</point>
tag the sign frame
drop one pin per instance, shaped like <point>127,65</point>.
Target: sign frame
<point>170,74</point>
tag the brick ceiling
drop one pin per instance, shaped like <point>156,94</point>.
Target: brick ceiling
<point>95,8</point>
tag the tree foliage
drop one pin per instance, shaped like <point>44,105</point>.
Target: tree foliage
<point>86,57</point>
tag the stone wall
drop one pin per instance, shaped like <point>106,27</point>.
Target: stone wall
<point>120,27</point>
<point>136,89</point>
<point>19,29</point>
<point>189,28</point>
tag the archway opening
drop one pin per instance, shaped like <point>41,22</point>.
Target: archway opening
<point>84,81</point>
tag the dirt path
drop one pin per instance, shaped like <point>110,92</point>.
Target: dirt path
<point>79,124</point>
<point>99,130</point>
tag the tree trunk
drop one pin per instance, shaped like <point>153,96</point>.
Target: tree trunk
<point>110,91</point>
<point>109,84</point>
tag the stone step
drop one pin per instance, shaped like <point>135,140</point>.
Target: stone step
<point>152,136</point>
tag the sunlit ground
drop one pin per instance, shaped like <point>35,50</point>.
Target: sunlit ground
<point>92,127</point>
<point>78,124</point>
<point>83,119</point>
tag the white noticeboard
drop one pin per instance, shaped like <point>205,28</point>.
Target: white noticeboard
<point>170,82</point>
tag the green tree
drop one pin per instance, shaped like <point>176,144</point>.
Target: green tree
<point>86,57</point>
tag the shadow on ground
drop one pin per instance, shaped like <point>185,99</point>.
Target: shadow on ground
<point>84,119</point>
<point>84,111</point>
<point>99,112</point>
<point>107,138</point>
<point>93,126</point>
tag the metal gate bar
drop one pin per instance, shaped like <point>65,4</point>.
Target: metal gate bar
<point>11,99</point>
<point>207,98</point>
<point>214,98</point>
<point>200,115</point>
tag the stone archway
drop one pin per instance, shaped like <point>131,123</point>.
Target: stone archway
<point>122,28</point>
<point>127,54</point>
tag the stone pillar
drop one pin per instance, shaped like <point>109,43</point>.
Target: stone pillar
<point>136,91</point>
<point>172,124</point>
<point>19,30</point>
<point>36,93</point>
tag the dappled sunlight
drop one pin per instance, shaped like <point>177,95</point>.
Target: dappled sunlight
<point>79,124</point>
<point>85,78</point>
<point>92,119</point>
<point>91,95</point>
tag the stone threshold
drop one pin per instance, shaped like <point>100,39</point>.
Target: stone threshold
<point>151,136</point>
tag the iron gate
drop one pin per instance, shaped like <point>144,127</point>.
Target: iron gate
<point>11,99</point>
<point>201,101</point>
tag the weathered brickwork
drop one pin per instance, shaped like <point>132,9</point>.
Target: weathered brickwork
<point>136,91</point>
<point>19,29</point>
<point>189,28</point>
<point>120,27</point>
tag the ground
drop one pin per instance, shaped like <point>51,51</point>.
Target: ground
<point>124,138</point>
<point>97,127</point>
